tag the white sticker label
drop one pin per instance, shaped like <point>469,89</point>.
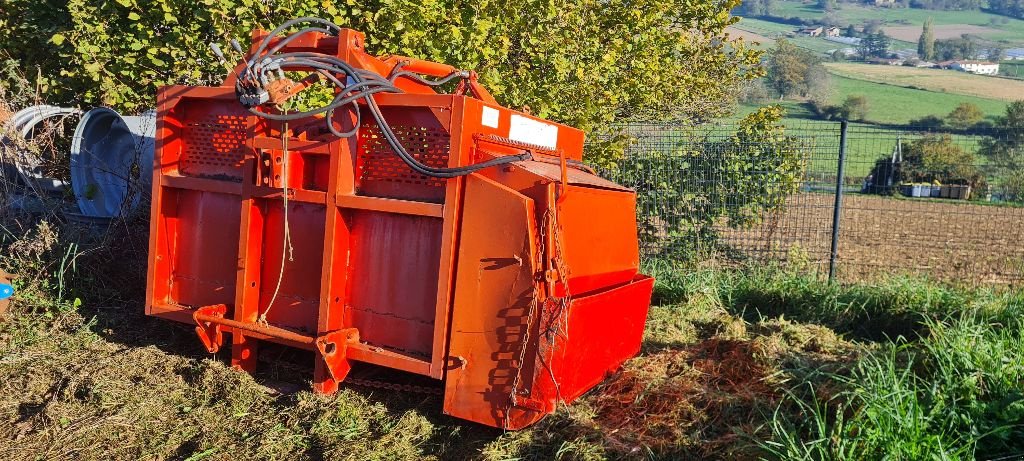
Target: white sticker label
<point>531,131</point>
<point>489,117</point>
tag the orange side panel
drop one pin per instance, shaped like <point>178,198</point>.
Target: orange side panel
<point>494,292</point>
<point>393,279</point>
<point>590,219</point>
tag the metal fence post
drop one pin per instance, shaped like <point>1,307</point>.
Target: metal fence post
<point>838,207</point>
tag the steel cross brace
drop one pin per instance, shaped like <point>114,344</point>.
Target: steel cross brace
<point>211,322</point>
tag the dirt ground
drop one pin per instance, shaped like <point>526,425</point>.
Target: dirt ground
<point>946,239</point>
<point>942,31</point>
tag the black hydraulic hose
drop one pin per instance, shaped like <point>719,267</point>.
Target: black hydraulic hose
<point>364,85</point>
<point>424,81</point>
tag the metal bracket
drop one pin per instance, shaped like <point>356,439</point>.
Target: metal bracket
<point>528,403</point>
<point>210,333</point>
<point>333,347</point>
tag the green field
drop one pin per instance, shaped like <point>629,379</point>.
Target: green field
<point>892,104</point>
<point>1012,31</point>
<point>866,142</point>
<point>775,30</point>
<point>896,105</point>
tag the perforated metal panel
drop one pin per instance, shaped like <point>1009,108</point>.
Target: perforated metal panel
<point>214,147</point>
<point>383,174</point>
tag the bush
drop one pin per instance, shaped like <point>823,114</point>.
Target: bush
<point>927,122</point>
<point>684,192</point>
<point>938,158</point>
<point>584,63</point>
<point>855,107</point>
<point>965,116</point>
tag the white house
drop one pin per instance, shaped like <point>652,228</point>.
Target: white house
<point>976,67</point>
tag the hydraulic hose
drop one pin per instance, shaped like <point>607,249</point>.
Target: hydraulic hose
<point>353,85</point>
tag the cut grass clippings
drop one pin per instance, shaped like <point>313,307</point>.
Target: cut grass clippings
<point>734,365</point>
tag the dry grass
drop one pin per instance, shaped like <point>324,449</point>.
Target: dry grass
<point>751,37</point>
<point>947,81</point>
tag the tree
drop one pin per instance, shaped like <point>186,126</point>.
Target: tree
<point>788,65</point>
<point>874,45</point>
<point>1014,8</point>
<point>819,85</point>
<point>1005,149</point>
<point>737,180</point>
<point>827,5</point>
<point>851,31</point>
<point>938,158</point>
<point>996,53</point>
<point>926,44</point>
<point>855,107</point>
<point>964,116</point>
<point>756,8</point>
<point>1007,144</point>
<point>585,63</point>
<point>956,48</point>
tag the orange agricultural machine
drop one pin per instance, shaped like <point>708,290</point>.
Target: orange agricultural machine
<point>437,234</point>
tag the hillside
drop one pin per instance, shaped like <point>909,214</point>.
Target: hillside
<point>945,81</point>
<point>1000,27</point>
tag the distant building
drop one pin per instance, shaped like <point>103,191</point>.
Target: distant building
<point>813,31</point>
<point>976,67</point>
<point>886,3</point>
<point>832,31</point>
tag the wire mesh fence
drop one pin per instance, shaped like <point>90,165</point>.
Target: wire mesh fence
<point>948,204</point>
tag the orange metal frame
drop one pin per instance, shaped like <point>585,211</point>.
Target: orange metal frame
<point>517,286</point>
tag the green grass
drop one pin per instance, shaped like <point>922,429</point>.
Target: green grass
<point>1013,31</point>
<point>892,104</point>
<point>866,142</point>
<point>726,362</point>
<point>954,394</point>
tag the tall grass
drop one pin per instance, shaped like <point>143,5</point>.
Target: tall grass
<point>897,306</point>
<point>941,375</point>
<point>954,394</point>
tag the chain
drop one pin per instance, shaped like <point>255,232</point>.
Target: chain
<point>371,383</point>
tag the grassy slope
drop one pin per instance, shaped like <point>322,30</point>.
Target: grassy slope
<point>898,105</point>
<point>857,14</point>
<point>944,81</point>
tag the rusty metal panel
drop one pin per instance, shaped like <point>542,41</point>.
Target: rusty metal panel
<point>553,172</point>
<point>393,272</point>
<point>201,256</point>
<point>494,294</point>
<point>298,299</point>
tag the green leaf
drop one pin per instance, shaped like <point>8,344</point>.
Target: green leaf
<point>134,16</point>
<point>57,39</point>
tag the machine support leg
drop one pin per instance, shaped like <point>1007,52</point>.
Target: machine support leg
<point>243,351</point>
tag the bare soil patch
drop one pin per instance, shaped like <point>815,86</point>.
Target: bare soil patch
<point>945,239</point>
